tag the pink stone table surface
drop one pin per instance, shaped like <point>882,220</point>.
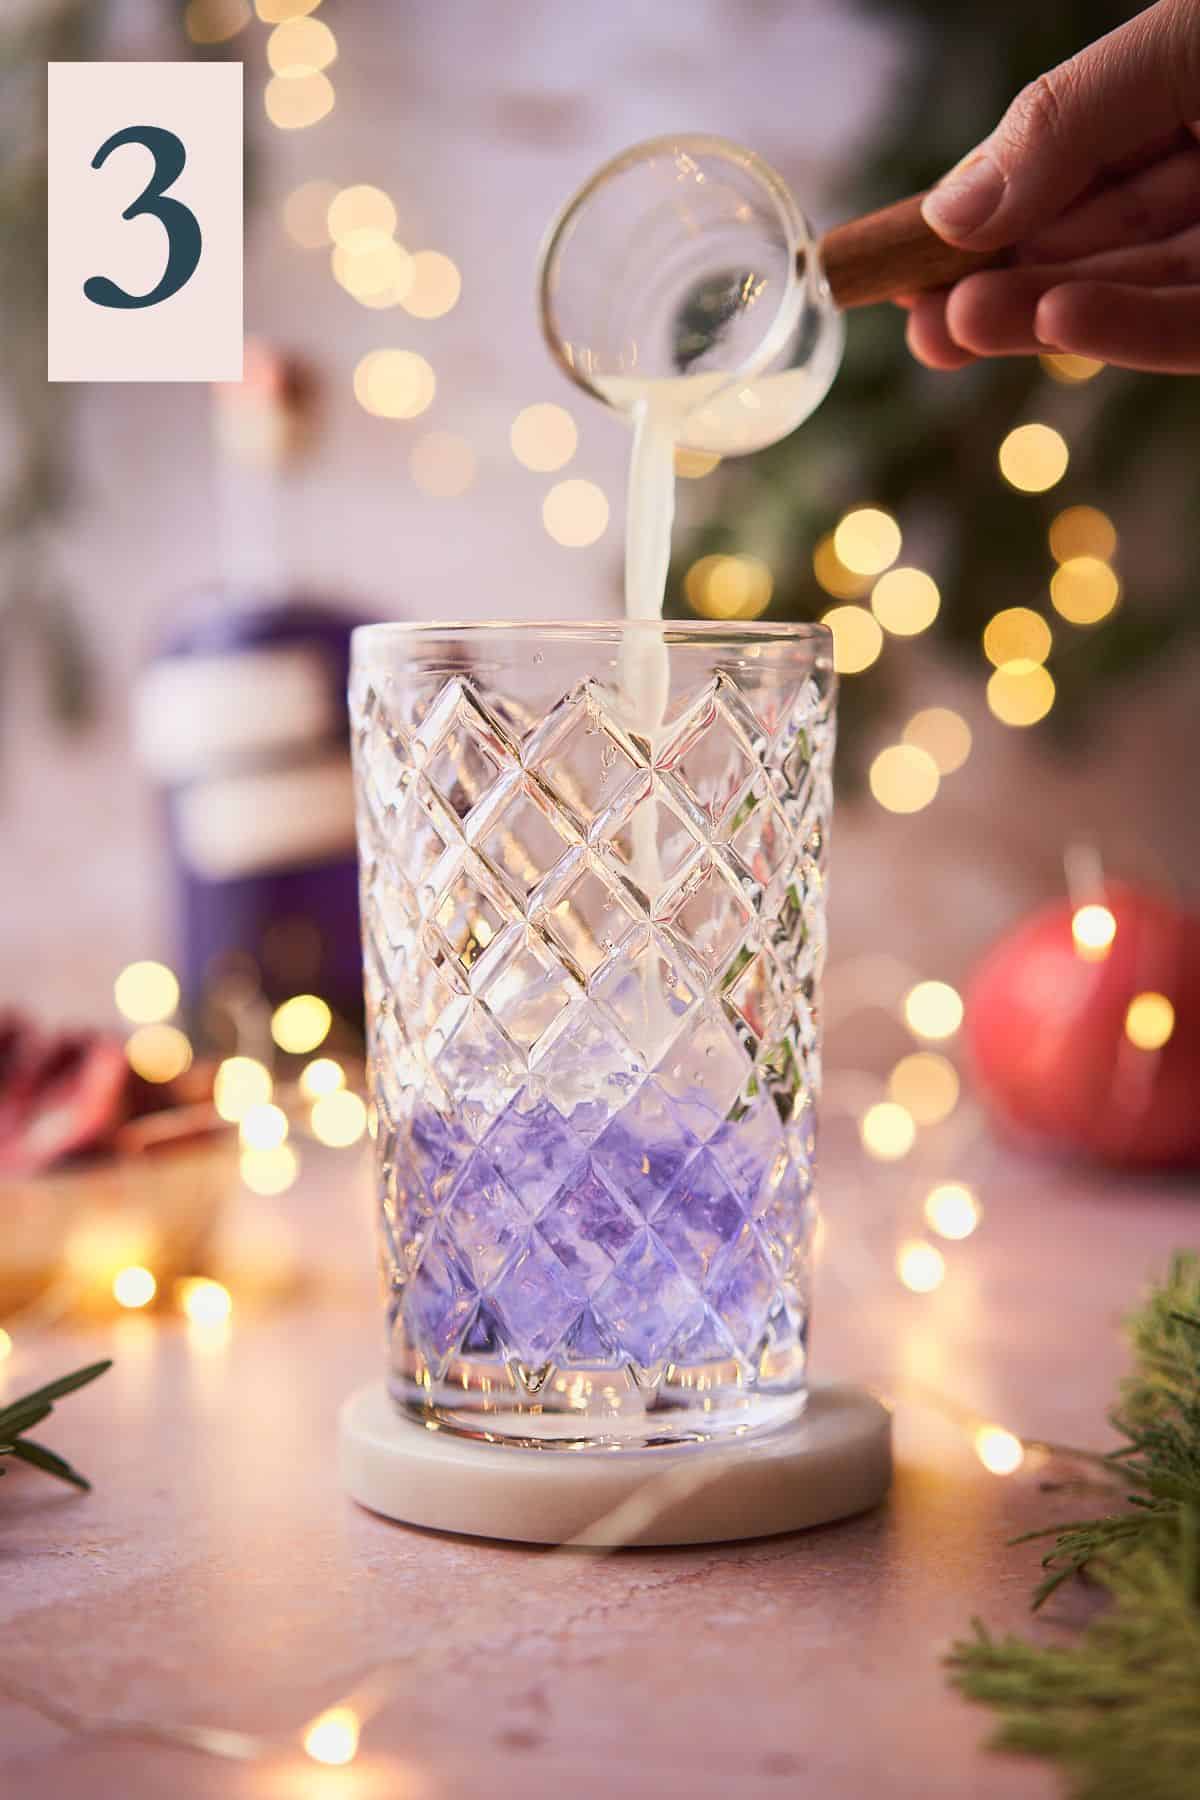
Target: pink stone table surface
<point>216,1576</point>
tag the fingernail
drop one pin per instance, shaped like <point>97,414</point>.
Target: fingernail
<point>965,199</point>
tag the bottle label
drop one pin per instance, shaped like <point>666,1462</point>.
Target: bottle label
<point>193,715</point>
<point>248,824</point>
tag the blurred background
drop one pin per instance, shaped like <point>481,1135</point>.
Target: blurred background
<point>1007,555</point>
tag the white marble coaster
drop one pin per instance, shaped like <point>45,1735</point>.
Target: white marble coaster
<point>833,1461</point>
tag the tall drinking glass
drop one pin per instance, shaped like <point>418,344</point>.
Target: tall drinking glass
<point>593,955</point>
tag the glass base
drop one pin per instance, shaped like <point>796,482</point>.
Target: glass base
<point>581,1409</point>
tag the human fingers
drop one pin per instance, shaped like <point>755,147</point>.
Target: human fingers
<point>1157,330</point>
<point>1152,203</point>
<point>927,335</point>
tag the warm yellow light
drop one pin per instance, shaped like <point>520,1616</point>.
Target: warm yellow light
<point>1149,1021</point>
<point>857,638</point>
<point>376,271</point>
<point>905,601</point>
<point>694,465</point>
<point>333,1738</point>
<point>359,216</point>
<point>729,587</point>
<point>926,1084</point>
<point>920,1266</point>
<point>6,1345</point>
<point>300,47</point>
<point>1000,1452</point>
<point>301,1023</point>
<point>1018,634</point>
<point>436,286</point>
<point>543,437</point>
<point>263,1127</point>
<point>203,1301</point>
<point>442,465</point>
<point>933,1009</point>
<point>134,1287</point>
<point>295,101</point>
<point>887,1131</point>
<point>394,384</point>
<point>324,1076</point>
<point>1033,457</point>
<point>1084,590</point>
<point>575,513</point>
<point>274,12</point>
<point>1062,365</point>
<point>158,1053</point>
<point>867,541</point>
<point>1020,693</point>
<point>270,1171</point>
<point>146,993</point>
<point>941,733</point>
<point>240,1083</point>
<point>215,21</point>
<point>1082,531</point>
<point>338,1119</point>
<point>306,213</point>
<point>904,779</point>
<point>833,575</point>
<point>1093,928</point>
<point>952,1210</point>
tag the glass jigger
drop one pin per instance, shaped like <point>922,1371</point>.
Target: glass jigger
<point>687,259</point>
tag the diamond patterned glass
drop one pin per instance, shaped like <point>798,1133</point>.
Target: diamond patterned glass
<point>593,950</point>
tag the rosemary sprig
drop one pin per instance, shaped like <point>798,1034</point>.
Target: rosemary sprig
<point>23,1414</point>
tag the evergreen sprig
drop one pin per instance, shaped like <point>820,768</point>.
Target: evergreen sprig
<point>22,1415</point>
<point>1120,1708</point>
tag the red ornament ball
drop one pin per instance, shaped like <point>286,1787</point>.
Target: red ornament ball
<point>1083,1025</point>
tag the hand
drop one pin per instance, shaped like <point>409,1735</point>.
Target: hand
<point>1092,181</point>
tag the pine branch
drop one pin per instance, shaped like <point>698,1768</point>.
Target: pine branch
<point>21,1415</point>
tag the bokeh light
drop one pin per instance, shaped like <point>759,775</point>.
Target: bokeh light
<point>933,1009</point>
<point>1149,1021</point>
<point>887,1131</point>
<point>215,21</point>
<point>905,601</point>
<point>158,1053</point>
<point>941,733</point>
<point>1065,366</point>
<point>1000,1451</point>
<point>904,779</point>
<point>442,465</point>
<point>575,513</point>
<point>358,216</point>
<point>543,437</point>
<point>729,587</point>
<point>293,102</point>
<point>926,1085</point>
<point>300,47</point>
<point>306,213</point>
<point>1033,458</point>
<point>832,574</point>
<point>240,1083</point>
<point>333,1738</point>
<point>377,272</point>
<point>274,12</point>
<point>324,1076</point>
<point>1020,693</point>
<point>1084,590</point>
<point>263,1127</point>
<point>394,384</point>
<point>1082,531</point>
<point>952,1210</point>
<point>867,541</point>
<point>134,1287</point>
<point>857,638</point>
<point>146,993</point>
<point>301,1023</point>
<point>694,465</point>
<point>920,1266</point>
<point>435,287</point>
<point>203,1301</point>
<point>6,1345</point>
<point>1093,928</point>
<point>1017,634</point>
<point>270,1172</point>
<point>338,1119</point>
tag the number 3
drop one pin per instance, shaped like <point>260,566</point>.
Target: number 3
<point>177,220</point>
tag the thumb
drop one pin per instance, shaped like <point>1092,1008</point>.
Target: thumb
<point>1129,89</point>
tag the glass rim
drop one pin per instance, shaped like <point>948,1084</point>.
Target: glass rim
<point>785,632</point>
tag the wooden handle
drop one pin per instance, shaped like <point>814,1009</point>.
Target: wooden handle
<point>891,252</point>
